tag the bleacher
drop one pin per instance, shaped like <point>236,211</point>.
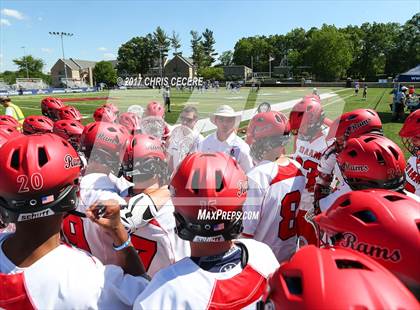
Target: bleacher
<point>72,83</point>
<point>30,83</point>
<point>4,87</point>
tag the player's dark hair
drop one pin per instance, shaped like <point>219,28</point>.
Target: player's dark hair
<point>260,147</point>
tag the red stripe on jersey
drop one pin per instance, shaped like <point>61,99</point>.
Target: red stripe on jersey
<point>16,295</point>
<point>286,172</point>
<point>247,235</point>
<point>155,222</point>
<point>238,291</point>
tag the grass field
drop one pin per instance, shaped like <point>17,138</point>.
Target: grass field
<point>207,102</point>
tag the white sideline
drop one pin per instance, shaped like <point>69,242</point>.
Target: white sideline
<point>206,125</point>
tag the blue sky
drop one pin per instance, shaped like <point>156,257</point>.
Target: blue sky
<point>100,27</point>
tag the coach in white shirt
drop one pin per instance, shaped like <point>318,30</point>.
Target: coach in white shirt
<point>225,139</point>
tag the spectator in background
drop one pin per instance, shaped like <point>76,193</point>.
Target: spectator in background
<point>365,91</point>
<point>356,88</point>
<point>398,104</point>
<point>166,94</point>
<point>12,109</point>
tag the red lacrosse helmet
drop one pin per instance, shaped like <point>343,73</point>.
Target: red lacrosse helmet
<point>9,120</point>
<point>372,161</point>
<point>355,123</point>
<point>71,113</point>
<point>380,223</point>
<point>103,114</point>
<point>50,107</point>
<point>410,130</point>
<point>114,109</point>
<point>312,96</point>
<point>312,120</point>
<point>7,132</point>
<point>154,108</point>
<point>39,177</point>
<point>207,183</point>
<point>37,124</point>
<point>296,114</point>
<point>69,130</point>
<point>335,279</point>
<point>131,121</point>
<point>267,124</point>
<point>104,142</point>
<point>145,158</point>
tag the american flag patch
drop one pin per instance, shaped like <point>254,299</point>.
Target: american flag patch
<point>47,199</point>
<point>218,227</point>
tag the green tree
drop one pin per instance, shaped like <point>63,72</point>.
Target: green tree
<point>377,43</point>
<point>175,42</point>
<point>105,73</point>
<point>9,77</point>
<point>406,51</point>
<point>253,52</point>
<point>137,55</point>
<point>208,47</point>
<point>34,65</point>
<point>161,41</point>
<point>211,73</point>
<point>198,55</point>
<point>329,52</point>
<point>226,58</point>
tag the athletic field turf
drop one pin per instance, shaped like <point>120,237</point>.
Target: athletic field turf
<point>338,100</point>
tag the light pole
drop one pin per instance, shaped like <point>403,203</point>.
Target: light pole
<point>161,47</point>
<point>61,34</point>
<point>26,62</point>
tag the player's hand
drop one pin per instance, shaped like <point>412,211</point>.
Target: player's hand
<point>106,214</point>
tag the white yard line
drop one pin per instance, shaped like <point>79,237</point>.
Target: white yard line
<point>206,125</point>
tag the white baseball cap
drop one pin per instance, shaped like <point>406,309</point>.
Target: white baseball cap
<point>225,111</point>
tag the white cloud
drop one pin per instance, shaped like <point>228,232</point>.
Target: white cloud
<point>12,13</point>
<point>109,56</point>
<point>102,49</point>
<point>4,22</point>
<point>46,50</point>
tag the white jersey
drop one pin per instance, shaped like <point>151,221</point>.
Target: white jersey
<point>328,165</point>
<point>308,154</point>
<point>412,175</point>
<point>259,180</point>
<point>277,221</point>
<point>81,232</point>
<point>233,146</point>
<point>66,278</point>
<point>185,285</point>
<point>156,241</point>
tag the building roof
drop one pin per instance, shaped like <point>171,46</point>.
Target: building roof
<point>77,64</point>
<point>187,60</point>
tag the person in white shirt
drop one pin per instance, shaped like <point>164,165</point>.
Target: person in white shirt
<point>208,192</point>
<point>225,138</point>
<point>37,271</point>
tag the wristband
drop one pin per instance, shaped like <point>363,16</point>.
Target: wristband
<point>122,246</point>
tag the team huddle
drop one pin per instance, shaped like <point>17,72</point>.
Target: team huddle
<point>122,213</point>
